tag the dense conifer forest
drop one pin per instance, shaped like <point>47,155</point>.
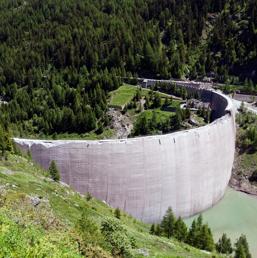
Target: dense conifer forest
<point>60,58</point>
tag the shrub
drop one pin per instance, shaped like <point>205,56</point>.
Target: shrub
<point>53,171</point>
<point>117,238</point>
<point>88,231</point>
<point>253,177</point>
<point>88,196</point>
<point>96,252</point>
<point>117,213</point>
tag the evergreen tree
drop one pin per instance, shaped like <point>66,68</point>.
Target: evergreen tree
<point>53,171</point>
<point>2,141</point>
<point>5,141</point>
<point>242,248</point>
<point>152,229</point>
<point>156,100</point>
<point>180,230</point>
<point>200,235</point>
<point>191,233</point>
<point>168,223</point>
<point>224,245</point>
<point>206,239</point>
<point>158,230</point>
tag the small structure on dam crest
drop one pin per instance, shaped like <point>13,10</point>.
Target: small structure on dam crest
<point>187,170</point>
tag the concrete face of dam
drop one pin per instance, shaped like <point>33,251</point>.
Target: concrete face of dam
<point>188,170</point>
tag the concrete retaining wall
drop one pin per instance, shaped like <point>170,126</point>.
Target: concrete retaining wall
<point>187,170</point>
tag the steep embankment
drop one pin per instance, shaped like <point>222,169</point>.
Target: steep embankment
<point>41,218</point>
<point>245,165</point>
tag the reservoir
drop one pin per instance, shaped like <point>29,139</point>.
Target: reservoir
<point>234,215</point>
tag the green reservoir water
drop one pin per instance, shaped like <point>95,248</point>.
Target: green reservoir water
<point>235,214</point>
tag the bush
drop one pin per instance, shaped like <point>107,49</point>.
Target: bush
<point>120,244</point>
<point>89,237</point>
<point>88,196</point>
<point>117,213</point>
<point>96,252</point>
<point>253,177</point>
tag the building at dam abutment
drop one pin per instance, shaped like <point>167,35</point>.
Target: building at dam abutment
<point>187,170</point>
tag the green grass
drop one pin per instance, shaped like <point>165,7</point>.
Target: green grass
<point>125,93</point>
<point>21,179</point>
<point>234,215</point>
<point>161,115</point>
<point>122,96</point>
<point>248,161</point>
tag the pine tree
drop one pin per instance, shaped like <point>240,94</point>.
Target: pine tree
<point>158,230</point>
<point>53,171</point>
<point>224,245</point>
<point>200,236</point>
<point>152,229</point>
<point>5,142</point>
<point>2,141</point>
<point>168,223</point>
<point>180,230</point>
<point>242,248</point>
<point>206,239</point>
<point>192,234</point>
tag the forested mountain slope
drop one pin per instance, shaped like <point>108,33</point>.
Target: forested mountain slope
<point>232,47</point>
<point>60,58</point>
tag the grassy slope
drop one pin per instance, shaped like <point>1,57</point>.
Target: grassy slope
<point>125,93</point>
<point>248,162</point>
<point>52,222</point>
<point>122,96</point>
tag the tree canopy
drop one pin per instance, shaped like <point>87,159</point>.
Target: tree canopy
<point>60,58</point>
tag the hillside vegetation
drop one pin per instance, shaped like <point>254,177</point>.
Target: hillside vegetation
<point>43,218</point>
<point>244,176</point>
<point>59,59</point>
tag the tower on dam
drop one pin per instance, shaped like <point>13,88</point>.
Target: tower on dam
<point>187,170</point>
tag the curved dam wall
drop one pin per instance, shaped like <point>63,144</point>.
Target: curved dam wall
<point>187,170</point>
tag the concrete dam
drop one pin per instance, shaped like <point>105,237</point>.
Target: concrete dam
<point>187,170</point>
